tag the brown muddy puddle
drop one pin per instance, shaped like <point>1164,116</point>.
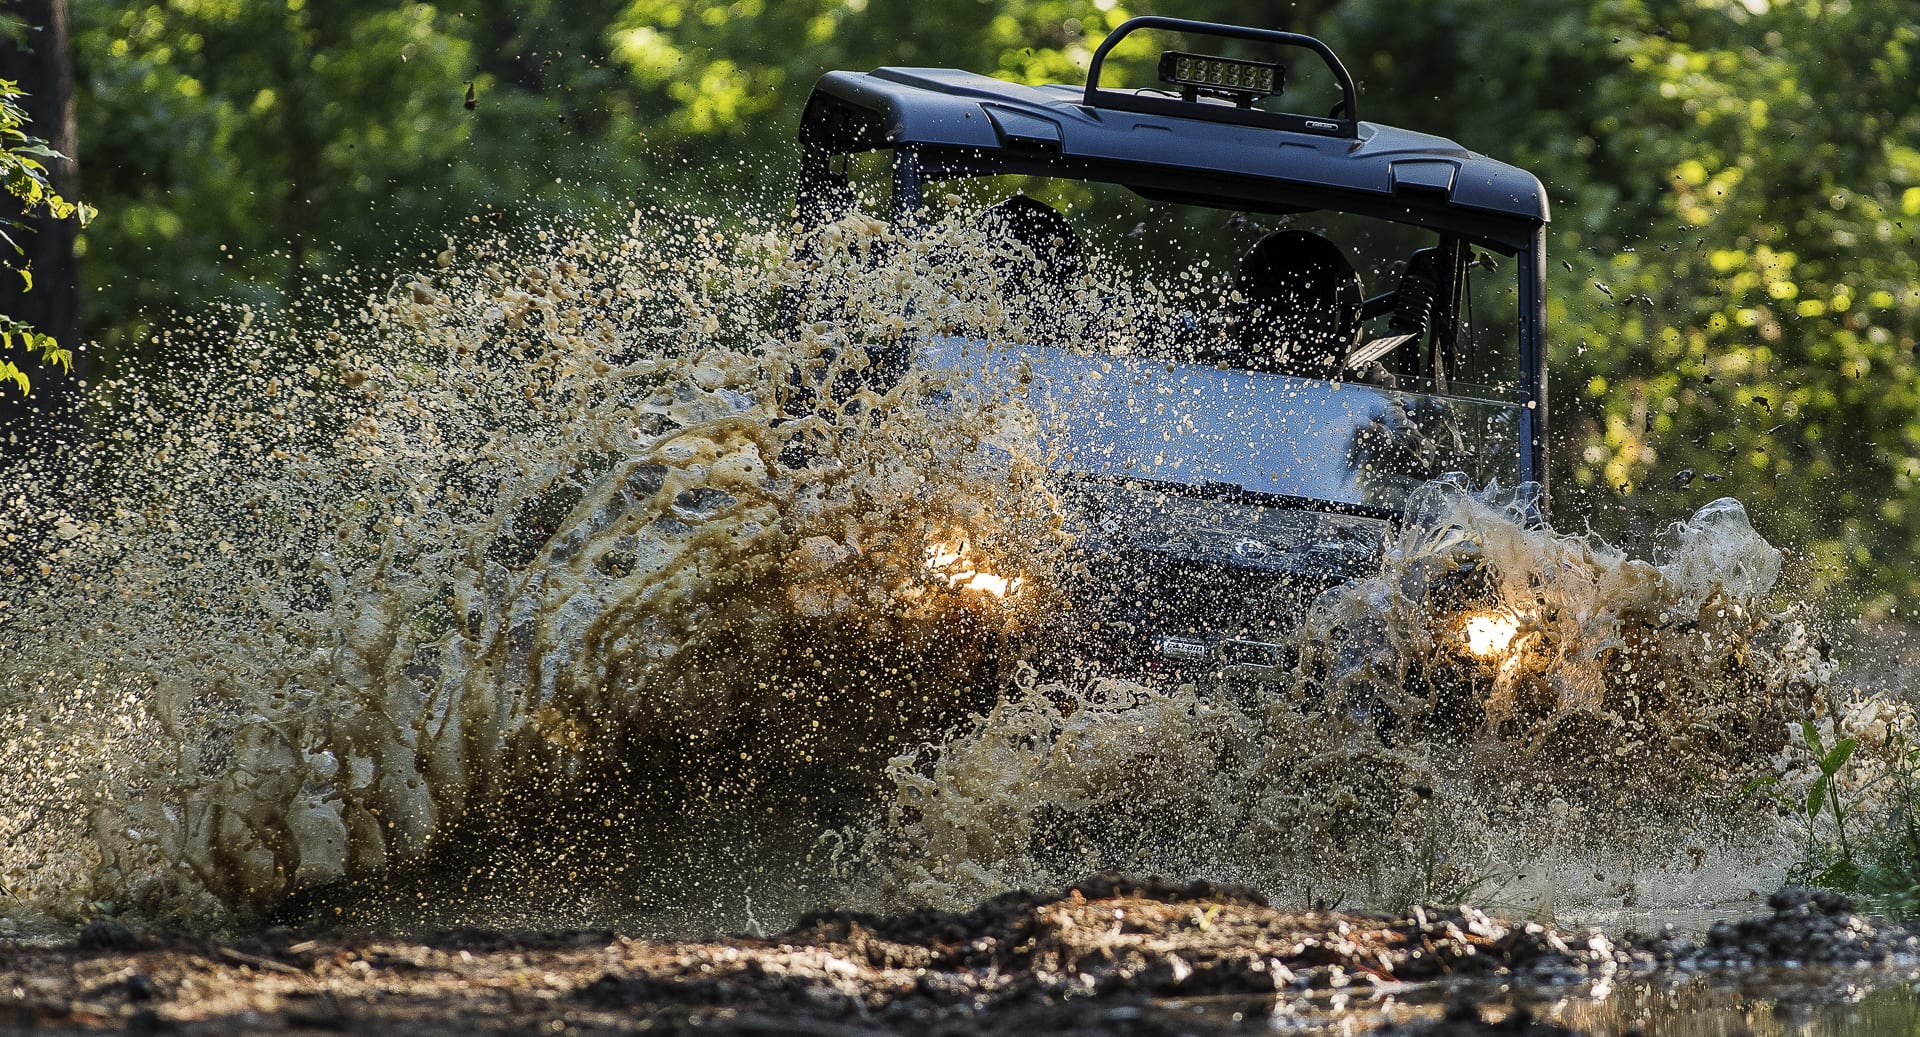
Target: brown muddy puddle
<point>1109,955</point>
<point>1822,1002</point>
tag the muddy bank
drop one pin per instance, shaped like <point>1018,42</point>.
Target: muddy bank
<point>1108,955</point>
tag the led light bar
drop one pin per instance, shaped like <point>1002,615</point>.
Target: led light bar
<point>1242,82</point>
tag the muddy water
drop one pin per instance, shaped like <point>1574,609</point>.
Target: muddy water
<point>1780,1003</point>
<point>546,588</point>
<point>535,549</point>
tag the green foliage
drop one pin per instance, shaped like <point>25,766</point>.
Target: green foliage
<point>250,150</point>
<point>1776,290</point>
<point>19,334</point>
<point>727,79</point>
<point>1736,202</point>
<point>24,176</point>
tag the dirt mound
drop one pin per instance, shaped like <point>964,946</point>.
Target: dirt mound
<point>1109,954</point>
<point>1807,927</point>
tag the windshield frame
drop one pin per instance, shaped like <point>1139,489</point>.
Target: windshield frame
<point>914,166</point>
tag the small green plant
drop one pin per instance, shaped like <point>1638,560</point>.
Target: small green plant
<point>1824,794</point>
<point>1433,879</point>
<point>1870,843</point>
<point>1824,863</point>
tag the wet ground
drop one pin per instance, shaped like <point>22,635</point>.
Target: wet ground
<point>1108,955</point>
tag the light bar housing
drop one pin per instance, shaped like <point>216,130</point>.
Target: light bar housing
<point>1233,79</point>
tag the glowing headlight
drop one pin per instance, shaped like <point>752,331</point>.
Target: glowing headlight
<point>1488,634</point>
<point>958,566</point>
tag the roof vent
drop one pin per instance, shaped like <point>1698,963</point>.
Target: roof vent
<point>1424,175</point>
<point>1020,130</point>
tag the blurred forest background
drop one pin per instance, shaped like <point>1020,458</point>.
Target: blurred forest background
<point>1736,184</point>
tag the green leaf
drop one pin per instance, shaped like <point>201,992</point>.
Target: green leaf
<point>1816,797</point>
<point>1812,735</point>
<point>1835,759</point>
<point>1842,874</point>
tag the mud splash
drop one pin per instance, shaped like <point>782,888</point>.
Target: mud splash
<point>1390,767</point>
<point>542,533</point>
<point>551,579</point>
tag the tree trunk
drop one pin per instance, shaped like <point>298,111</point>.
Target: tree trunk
<point>43,66</point>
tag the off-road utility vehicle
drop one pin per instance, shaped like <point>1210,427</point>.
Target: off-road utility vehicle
<point>1262,446</point>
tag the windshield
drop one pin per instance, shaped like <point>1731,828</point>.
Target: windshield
<point>1187,424</point>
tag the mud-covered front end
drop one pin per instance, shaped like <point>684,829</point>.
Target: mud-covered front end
<point>1168,578</point>
<point>1210,507</point>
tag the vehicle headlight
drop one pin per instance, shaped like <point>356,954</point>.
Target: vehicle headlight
<point>1489,635</point>
<point>955,563</point>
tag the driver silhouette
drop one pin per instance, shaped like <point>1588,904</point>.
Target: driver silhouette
<point>1298,310</point>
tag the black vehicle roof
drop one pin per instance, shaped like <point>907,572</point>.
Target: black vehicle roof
<point>963,123</point>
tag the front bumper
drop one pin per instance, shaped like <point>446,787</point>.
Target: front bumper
<point>1184,578</point>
